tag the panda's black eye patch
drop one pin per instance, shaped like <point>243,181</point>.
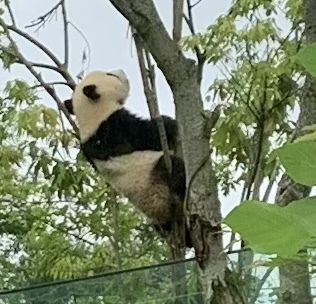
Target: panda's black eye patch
<point>69,106</point>
<point>91,92</point>
<point>110,74</point>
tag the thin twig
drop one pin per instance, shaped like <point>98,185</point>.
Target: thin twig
<point>87,43</point>
<point>43,19</point>
<point>191,179</point>
<point>66,34</point>
<point>275,171</point>
<point>196,3</point>
<point>233,81</point>
<point>201,58</point>
<point>293,91</point>
<point>258,155</point>
<point>284,40</point>
<point>63,73</point>
<point>35,42</point>
<point>50,84</point>
<point>190,16</point>
<point>151,97</point>
<point>257,160</point>
<point>272,180</point>
<point>258,288</point>
<point>42,47</point>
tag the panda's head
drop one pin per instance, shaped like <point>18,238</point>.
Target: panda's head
<point>95,98</point>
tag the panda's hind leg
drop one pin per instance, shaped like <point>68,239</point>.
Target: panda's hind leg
<point>177,187</point>
<point>177,181</point>
<point>165,230</point>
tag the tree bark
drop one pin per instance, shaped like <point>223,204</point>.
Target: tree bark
<point>295,278</point>
<point>203,205</point>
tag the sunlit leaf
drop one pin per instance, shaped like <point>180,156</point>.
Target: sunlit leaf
<point>308,59</point>
<point>306,210</point>
<point>299,161</point>
<point>269,229</point>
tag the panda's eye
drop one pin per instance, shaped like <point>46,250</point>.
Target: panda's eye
<point>110,74</point>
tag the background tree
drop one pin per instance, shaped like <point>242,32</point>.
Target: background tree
<point>257,89</point>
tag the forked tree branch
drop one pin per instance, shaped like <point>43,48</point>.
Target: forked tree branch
<point>50,84</point>
<point>201,58</point>
<point>40,21</point>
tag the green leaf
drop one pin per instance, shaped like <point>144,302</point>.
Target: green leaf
<point>309,136</point>
<point>307,57</point>
<point>306,210</point>
<point>269,229</point>
<point>299,160</point>
<point>309,128</point>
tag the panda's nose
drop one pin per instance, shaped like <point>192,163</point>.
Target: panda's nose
<point>91,92</point>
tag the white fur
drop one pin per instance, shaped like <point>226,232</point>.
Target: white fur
<point>122,76</point>
<point>131,175</point>
<point>90,113</point>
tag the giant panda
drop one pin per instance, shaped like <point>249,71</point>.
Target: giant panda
<point>126,149</point>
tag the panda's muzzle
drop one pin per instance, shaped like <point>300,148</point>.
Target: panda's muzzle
<point>91,92</point>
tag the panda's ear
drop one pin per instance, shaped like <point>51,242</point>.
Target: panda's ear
<point>69,106</point>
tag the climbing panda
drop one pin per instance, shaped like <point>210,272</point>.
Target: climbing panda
<point>126,149</point>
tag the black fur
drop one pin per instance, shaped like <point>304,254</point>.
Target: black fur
<point>91,92</point>
<point>177,180</point>
<point>69,106</point>
<point>177,185</point>
<point>123,133</point>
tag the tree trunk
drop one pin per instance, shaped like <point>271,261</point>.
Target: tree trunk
<point>202,205</point>
<point>295,278</point>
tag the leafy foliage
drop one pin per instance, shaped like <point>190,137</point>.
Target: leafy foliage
<point>299,161</point>
<point>271,229</point>
<point>283,230</point>
<point>307,58</point>
<point>58,218</point>
<point>258,84</point>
